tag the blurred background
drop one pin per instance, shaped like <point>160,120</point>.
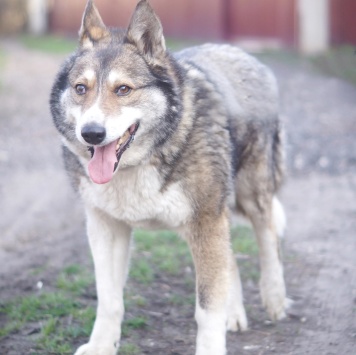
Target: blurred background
<point>309,26</point>
<point>47,292</point>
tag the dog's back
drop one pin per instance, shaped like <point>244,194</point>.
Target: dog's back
<point>249,95</point>
<point>248,87</point>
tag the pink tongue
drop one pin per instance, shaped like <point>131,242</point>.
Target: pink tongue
<point>101,166</point>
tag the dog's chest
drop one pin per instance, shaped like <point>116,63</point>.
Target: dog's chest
<point>134,196</point>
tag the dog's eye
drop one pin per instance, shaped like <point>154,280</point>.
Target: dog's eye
<point>122,90</point>
<point>80,89</point>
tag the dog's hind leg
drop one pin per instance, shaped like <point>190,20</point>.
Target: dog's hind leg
<point>109,241</point>
<point>236,315</point>
<point>209,241</point>
<point>267,217</point>
<point>256,185</point>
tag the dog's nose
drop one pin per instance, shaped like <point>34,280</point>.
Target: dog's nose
<point>93,133</point>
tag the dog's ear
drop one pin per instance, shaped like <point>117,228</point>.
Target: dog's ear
<point>93,29</point>
<point>146,33</point>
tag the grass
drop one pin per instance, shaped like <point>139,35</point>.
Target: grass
<point>245,246</point>
<point>158,252</point>
<point>61,45</point>
<point>174,44</point>
<point>49,44</point>
<point>64,317</point>
<point>61,316</point>
<point>243,241</point>
<point>129,349</point>
<point>286,56</point>
<point>339,62</point>
<point>74,279</point>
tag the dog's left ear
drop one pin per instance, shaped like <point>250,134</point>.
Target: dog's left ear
<point>146,33</point>
<point>93,29</point>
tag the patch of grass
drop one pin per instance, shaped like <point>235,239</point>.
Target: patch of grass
<point>74,279</point>
<point>136,323</point>
<point>280,55</point>
<point>10,327</point>
<point>61,315</point>
<point>85,317</point>
<point>164,251</point>
<point>339,62</point>
<point>133,324</point>
<point>56,338</point>
<point>133,300</point>
<point>178,300</point>
<point>39,307</point>
<point>141,271</point>
<point>174,44</point>
<point>61,318</point>
<point>49,44</point>
<point>129,349</point>
<point>64,316</point>
<point>243,241</point>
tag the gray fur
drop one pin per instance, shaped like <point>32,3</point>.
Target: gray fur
<point>217,135</point>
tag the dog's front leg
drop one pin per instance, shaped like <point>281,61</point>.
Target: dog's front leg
<point>209,242</point>
<point>109,241</point>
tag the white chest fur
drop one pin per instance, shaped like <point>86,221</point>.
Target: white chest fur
<point>134,196</point>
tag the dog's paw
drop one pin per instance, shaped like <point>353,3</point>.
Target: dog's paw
<point>237,321</point>
<point>273,295</point>
<point>96,349</point>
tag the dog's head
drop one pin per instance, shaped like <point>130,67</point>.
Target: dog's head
<point>117,86</point>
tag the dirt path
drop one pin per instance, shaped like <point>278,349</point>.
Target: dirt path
<point>41,221</point>
<point>38,209</point>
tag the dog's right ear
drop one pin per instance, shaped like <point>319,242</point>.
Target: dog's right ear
<point>93,29</point>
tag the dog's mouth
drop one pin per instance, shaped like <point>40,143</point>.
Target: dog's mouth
<point>105,159</point>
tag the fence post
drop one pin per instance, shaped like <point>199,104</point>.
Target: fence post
<point>314,33</point>
<point>37,16</point>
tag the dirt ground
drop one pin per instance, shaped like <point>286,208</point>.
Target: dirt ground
<point>41,220</point>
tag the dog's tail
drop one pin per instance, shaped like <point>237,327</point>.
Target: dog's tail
<point>279,216</point>
<point>278,155</point>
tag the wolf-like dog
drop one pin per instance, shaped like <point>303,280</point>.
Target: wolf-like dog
<point>159,140</point>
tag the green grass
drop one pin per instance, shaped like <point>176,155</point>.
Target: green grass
<point>174,44</point>
<point>129,349</point>
<point>165,252</point>
<point>162,251</point>
<point>60,315</point>
<point>141,271</point>
<point>74,279</point>
<point>244,244</point>
<point>61,45</point>
<point>243,241</point>
<point>38,307</point>
<point>49,44</point>
<point>280,55</point>
<point>64,316</point>
<point>339,62</point>
<point>131,324</point>
<point>136,323</point>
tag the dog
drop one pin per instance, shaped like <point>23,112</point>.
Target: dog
<point>159,140</point>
